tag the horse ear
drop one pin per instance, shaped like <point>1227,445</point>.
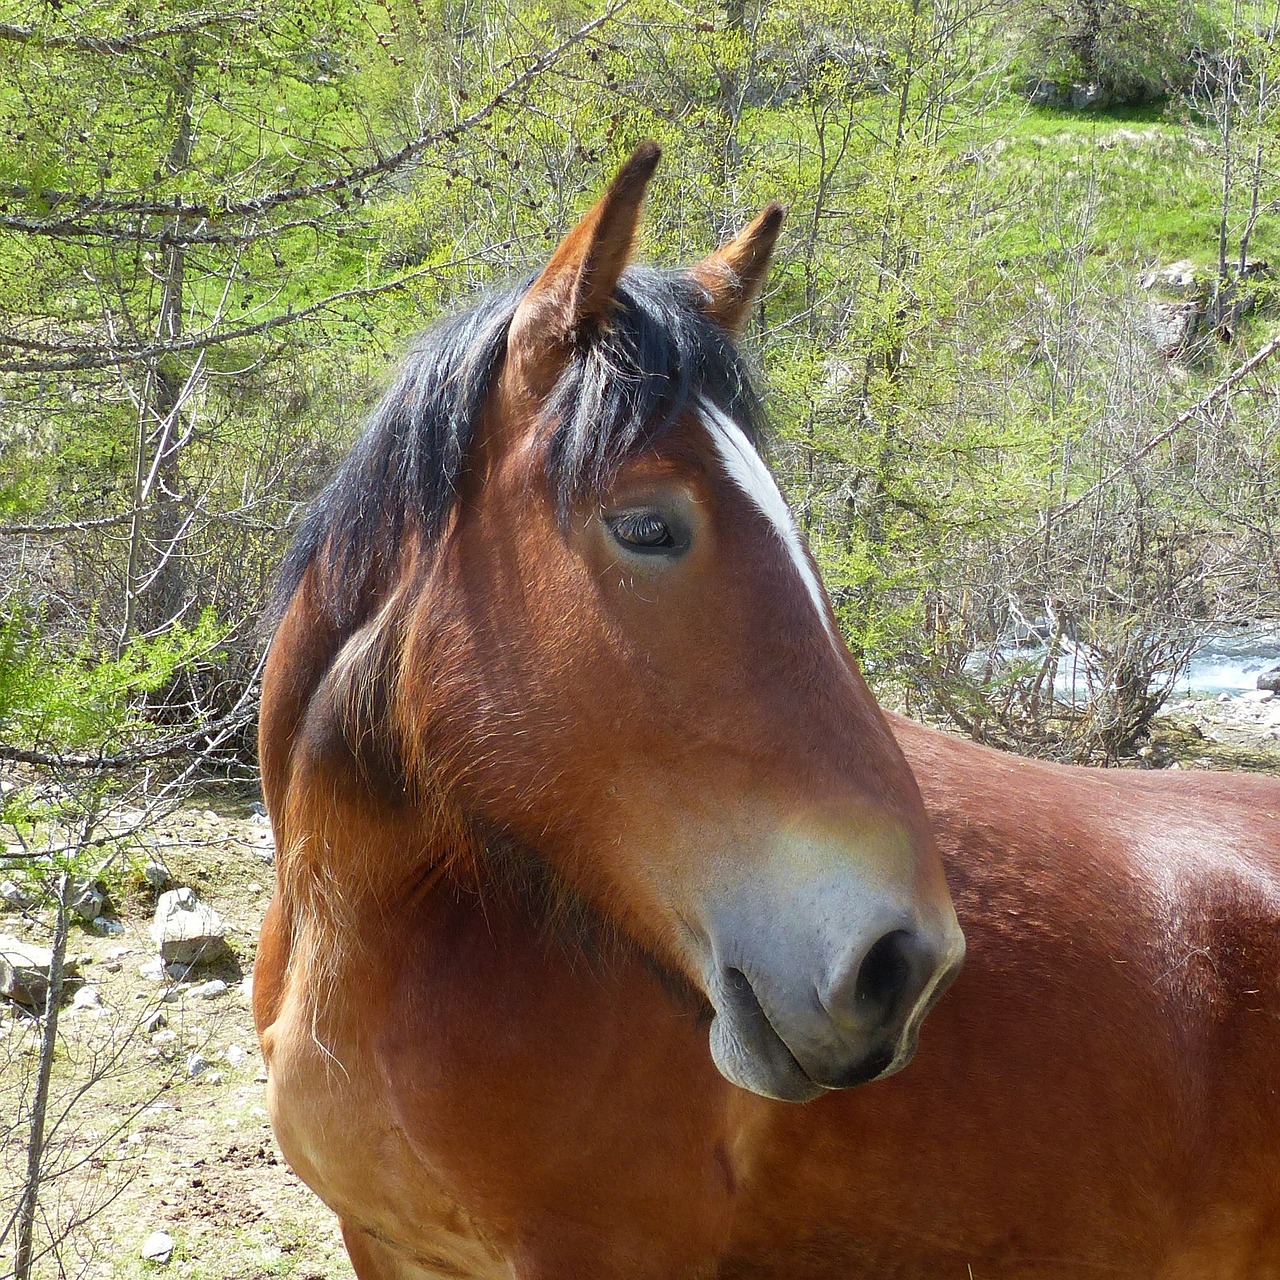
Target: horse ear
<point>733,275</point>
<point>576,286</point>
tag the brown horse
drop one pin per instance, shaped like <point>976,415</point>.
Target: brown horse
<point>491,1067</point>
<point>570,773</point>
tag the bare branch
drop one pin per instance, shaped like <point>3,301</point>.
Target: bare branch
<point>103,356</point>
<point>375,172</point>
<point>1229,383</point>
<point>121,43</point>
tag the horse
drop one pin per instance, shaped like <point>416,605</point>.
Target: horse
<point>513,1093</point>
<point>591,840</point>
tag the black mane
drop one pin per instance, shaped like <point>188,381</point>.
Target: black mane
<point>622,389</point>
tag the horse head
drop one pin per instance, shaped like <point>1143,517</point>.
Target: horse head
<point>568,590</point>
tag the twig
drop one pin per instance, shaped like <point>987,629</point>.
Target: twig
<point>1227,384</point>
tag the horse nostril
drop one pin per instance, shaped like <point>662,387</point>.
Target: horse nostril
<point>884,977</point>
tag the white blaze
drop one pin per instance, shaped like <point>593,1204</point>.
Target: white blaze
<point>747,470</point>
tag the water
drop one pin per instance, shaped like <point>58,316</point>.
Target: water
<point>1227,662</point>
<point>1231,662</point>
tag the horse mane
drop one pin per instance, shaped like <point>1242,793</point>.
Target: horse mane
<point>623,387</point>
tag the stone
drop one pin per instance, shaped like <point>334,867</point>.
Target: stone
<point>156,874</point>
<point>152,969</point>
<point>164,1037</point>
<point>210,990</point>
<point>24,971</point>
<point>1085,97</point>
<point>254,887</point>
<point>186,930</point>
<point>14,895</point>
<point>1173,326</point>
<point>1269,681</point>
<point>155,1020</point>
<point>1177,277</point>
<point>196,1063</point>
<point>235,1056</point>
<point>86,998</point>
<point>107,928</point>
<point>85,899</point>
<point>158,1248</point>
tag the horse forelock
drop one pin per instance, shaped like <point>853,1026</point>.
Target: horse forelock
<point>623,388</point>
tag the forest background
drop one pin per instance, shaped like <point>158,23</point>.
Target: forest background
<point>1018,345</point>
<point>1028,251</point>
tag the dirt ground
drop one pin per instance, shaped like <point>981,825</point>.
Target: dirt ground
<point>193,1155</point>
<point>190,1155</point>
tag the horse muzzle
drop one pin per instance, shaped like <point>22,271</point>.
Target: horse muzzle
<point>824,988</point>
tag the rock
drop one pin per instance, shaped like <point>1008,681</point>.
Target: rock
<point>1173,326</point>
<point>1046,93</point>
<point>257,809</point>
<point>213,1077</point>
<point>152,969</point>
<point>196,1063</point>
<point>235,1056</point>
<point>14,895</point>
<point>254,887</point>
<point>24,971</point>
<point>155,1020</point>
<point>86,998</point>
<point>1224,697</point>
<point>1177,277</point>
<point>186,930</point>
<point>164,1037</point>
<point>107,928</point>
<point>1085,97</point>
<point>1269,681</point>
<point>209,990</point>
<point>156,874</point>
<point>158,1248</point>
<point>85,899</point>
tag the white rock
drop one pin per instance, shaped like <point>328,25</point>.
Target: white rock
<point>119,953</point>
<point>155,1020</point>
<point>162,1038</point>
<point>235,1056</point>
<point>254,887</point>
<point>14,895</point>
<point>158,1247</point>
<point>213,1077</point>
<point>196,1063</point>
<point>187,930</point>
<point>24,971</point>
<point>105,927</point>
<point>85,899</point>
<point>153,969</point>
<point>86,998</point>
<point>209,990</point>
<point>156,873</point>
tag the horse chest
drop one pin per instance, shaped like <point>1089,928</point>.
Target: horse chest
<point>490,1111</point>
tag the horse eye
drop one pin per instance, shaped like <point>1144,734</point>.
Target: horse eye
<point>642,531</point>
